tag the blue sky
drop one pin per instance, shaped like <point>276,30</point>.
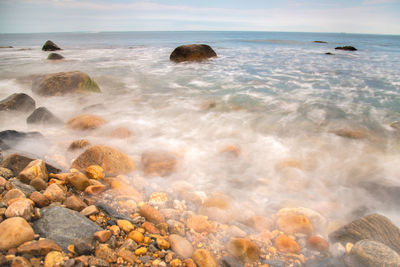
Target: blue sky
<point>352,16</point>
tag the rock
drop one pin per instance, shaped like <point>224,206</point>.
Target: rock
<point>121,132</point>
<point>40,200</point>
<point>16,163</point>
<point>13,232</point>
<point>78,180</point>
<point>38,184</point>
<point>54,193</point>
<point>294,223</point>
<point>20,262</point>
<point>181,246</point>
<point>228,261</point>
<point>40,247</point>
<point>102,236</point>
<point>62,83</point>
<point>162,243</point>
<point>90,210</point>
<point>395,125</point>
<point>346,48</point>
<point>6,173</point>
<point>158,163</point>
<point>35,169</point>
<point>204,258</point>
<point>86,122</point>
<point>259,223</point>
<point>318,243</point>
<point>329,53</point>
<point>285,243</point>
<point>192,52</point>
<point>95,189</point>
<point>243,249</point>
<point>13,194</point>
<point>50,46</point>
<point>151,214</point>
<point>55,222</point>
<point>125,225</point>
<point>93,261</point>
<point>78,144</point>
<point>176,227</point>
<point>320,42</point>
<point>6,46</point>
<point>26,189</point>
<point>83,246</point>
<point>113,161</point>
<point>11,139</point>
<point>95,172</point>
<point>18,102</point>
<point>74,203</point>
<point>54,259</point>
<point>350,133</point>
<point>319,222</point>
<point>151,228</point>
<point>199,223</point>
<point>374,227</point>
<point>158,199</point>
<point>136,236</point>
<point>43,116</point>
<point>54,56</point>
<point>20,208</point>
<point>104,252</point>
<point>370,253</point>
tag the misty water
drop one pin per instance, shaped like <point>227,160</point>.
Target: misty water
<point>277,97</point>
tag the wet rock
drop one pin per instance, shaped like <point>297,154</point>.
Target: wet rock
<point>78,144</point>
<point>13,194</point>
<point>176,227</point>
<point>54,259</point>
<point>162,243</point>
<point>95,172</point>
<point>350,133</point>
<point>16,163</point>
<point>39,200</point>
<point>20,208</point>
<point>95,189</point>
<point>38,184</point>
<point>78,180</point>
<point>259,223</point>
<point>55,222</point>
<point>11,139</point>
<point>125,225</point>
<point>94,261</point>
<point>294,223</point>
<point>50,46</point>
<point>395,125</point>
<point>40,247</point>
<point>121,132</point>
<point>54,56</point>
<point>54,193</point>
<point>83,246</point>
<point>320,42</point>
<point>35,169</point>
<point>374,227</point>
<point>102,236</point>
<point>181,246</point>
<point>204,258</point>
<point>74,203</point>
<point>110,211</point>
<point>43,116</point>
<point>14,231</point>
<point>346,48</point>
<point>136,236</point>
<point>192,52</point>
<point>151,228</point>
<point>199,223</point>
<point>151,214</point>
<point>17,184</point>
<point>216,214</point>
<point>318,222</point>
<point>86,122</point>
<point>113,161</point>
<point>6,173</point>
<point>243,249</point>
<point>62,83</point>
<point>370,253</point>
<point>159,163</point>
<point>229,261</point>
<point>329,53</point>
<point>90,210</point>
<point>18,102</point>
<point>285,243</point>
<point>127,255</point>
<point>104,252</point>
<point>158,199</point>
<point>20,262</point>
<point>318,243</point>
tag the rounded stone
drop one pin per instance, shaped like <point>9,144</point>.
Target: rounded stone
<point>151,214</point>
<point>181,246</point>
<point>192,52</point>
<point>204,258</point>
<point>54,193</point>
<point>373,254</point>
<point>86,122</point>
<point>15,231</point>
<point>95,172</point>
<point>244,249</point>
<point>20,208</point>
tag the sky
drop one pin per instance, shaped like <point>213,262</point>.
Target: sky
<point>350,16</point>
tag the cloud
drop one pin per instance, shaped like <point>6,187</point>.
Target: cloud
<point>377,2</point>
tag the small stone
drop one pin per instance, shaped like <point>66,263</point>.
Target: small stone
<point>121,132</point>
<point>54,56</point>
<point>83,246</point>
<point>318,243</point>
<point>102,236</point>
<point>159,163</point>
<point>348,247</point>
<point>95,172</point>
<point>95,189</point>
<point>199,223</point>
<point>54,193</point>
<point>25,188</point>
<point>141,251</point>
<point>95,261</point>
<point>371,253</point>
<point>35,169</point>
<point>244,249</point>
<point>229,261</point>
<point>125,225</point>
<point>204,258</point>
<point>129,244</point>
<point>115,230</point>
<point>39,248</point>
<point>286,244</point>
<point>181,246</point>
<point>3,182</point>
<point>20,262</point>
<point>78,180</point>
<point>20,208</point>
<point>104,252</point>
<point>38,183</point>
<point>40,200</point>
<point>189,263</point>
<point>74,203</point>
<point>337,250</point>
<point>78,144</point>
<point>136,236</point>
<point>176,227</point>
<point>127,255</point>
<point>90,210</point>
<point>162,243</point>
<point>6,173</point>
<point>54,259</point>
<point>13,194</point>
<point>158,199</point>
<point>86,122</point>
<point>151,214</point>
<point>151,228</point>
<point>350,133</point>
<point>175,263</point>
<point>294,223</point>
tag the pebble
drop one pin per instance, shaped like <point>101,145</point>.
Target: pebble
<point>20,208</point>
<point>35,169</point>
<point>176,227</point>
<point>38,183</point>
<point>12,194</point>
<point>83,246</point>
<point>95,189</point>
<point>204,258</point>
<point>318,243</point>
<point>151,228</point>
<point>259,223</point>
<point>75,203</point>
<point>6,173</point>
<point>373,254</point>
<point>54,259</point>
<point>20,262</point>
<point>162,243</point>
<point>40,247</point>
<point>158,163</point>
<point>141,251</point>
<point>95,172</point>
<point>337,250</point>
<point>243,249</point>
<point>285,243</point>
<point>158,199</point>
<point>14,231</point>
<point>294,223</point>
<point>104,252</point>
<point>136,236</point>
<point>78,180</point>
<point>102,236</point>
<point>199,223</point>
<point>181,246</point>
<point>90,210</point>
<point>25,188</point>
<point>125,225</point>
<point>318,221</point>
<point>54,193</point>
<point>151,214</point>
<point>39,200</point>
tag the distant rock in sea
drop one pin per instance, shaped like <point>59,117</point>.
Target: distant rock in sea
<point>7,46</point>
<point>320,42</point>
<point>346,48</point>
<point>50,46</point>
<point>192,52</point>
<point>55,56</point>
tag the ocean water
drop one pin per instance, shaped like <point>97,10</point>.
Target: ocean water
<point>278,98</point>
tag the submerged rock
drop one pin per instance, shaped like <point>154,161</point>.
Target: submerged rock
<point>320,42</point>
<point>18,102</point>
<point>42,115</point>
<point>113,161</point>
<point>244,249</point>
<point>55,56</point>
<point>61,83</point>
<point>86,122</point>
<point>346,48</point>
<point>64,225</point>
<point>192,52</point>
<point>370,253</point>
<point>159,163</point>
<point>181,246</point>
<point>374,227</point>
<point>50,46</point>
<point>10,138</point>
<point>16,163</point>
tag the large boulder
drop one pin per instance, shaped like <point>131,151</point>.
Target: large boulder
<point>54,56</point>
<point>374,227</point>
<point>18,102</point>
<point>64,225</point>
<point>62,83</point>
<point>113,161</point>
<point>50,46</point>
<point>370,253</point>
<point>43,116</point>
<point>192,52</point>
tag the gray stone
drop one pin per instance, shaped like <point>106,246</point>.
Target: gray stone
<point>26,189</point>
<point>17,102</point>
<point>64,225</point>
<point>55,56</point>
<point>43,116</point>
<point>50,46</point>
<point>370,253</point>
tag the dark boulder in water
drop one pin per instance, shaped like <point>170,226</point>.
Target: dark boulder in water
<point>328,53</point>
<point>346,48</point>
<point>61,83</point>
<point>17,162</point>
<point>374,227</point>
<point>11,138</point>
<point>18,102</point>
<point>192,52</point>
<point>370,253</point>
<point>320,42</point>
<point>7,46</point>
<point>55,56</point>
<point>50,46</point>
<point>42,115</point>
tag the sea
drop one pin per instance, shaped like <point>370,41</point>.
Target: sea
<point>305,128</point>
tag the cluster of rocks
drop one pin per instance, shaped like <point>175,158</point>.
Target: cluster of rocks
<point>344,48</point>
<point>51,46</point>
